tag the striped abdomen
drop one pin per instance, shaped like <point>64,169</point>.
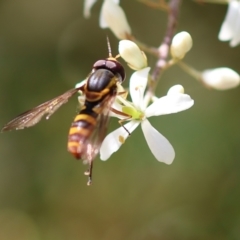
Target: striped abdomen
<point>81,129</point>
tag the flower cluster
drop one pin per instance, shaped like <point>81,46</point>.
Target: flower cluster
<point>222,78</point>
<point>113,17</point>
<point>139,109</point>
<point>144,104</point>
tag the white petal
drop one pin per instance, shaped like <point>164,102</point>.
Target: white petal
<point>230,26</point>
<point>106,7</point>
<point>118,107</point>
<point>116,1</point>
<point>158,144</point>
<point>172,103</point>
<point>80,84</point>
<point>221,78</point>
<point>137,86</point>
<point>112,16</point>
<point>87,7</point>
<point>115,139</point>
<point>236,38</point>
<point>131,53</point>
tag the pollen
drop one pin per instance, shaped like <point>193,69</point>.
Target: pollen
<point>121,139</point>
<point>141,116</point>
<point>138,87</point>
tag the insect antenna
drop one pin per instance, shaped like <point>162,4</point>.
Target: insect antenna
<point>109,48</point>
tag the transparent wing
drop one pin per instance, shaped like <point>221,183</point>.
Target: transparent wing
<point>33,116</point>
<point>92,145</point>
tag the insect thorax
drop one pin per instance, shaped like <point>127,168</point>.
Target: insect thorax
<point>100,80</point>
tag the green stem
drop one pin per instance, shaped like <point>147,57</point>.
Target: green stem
<point>190,70</point>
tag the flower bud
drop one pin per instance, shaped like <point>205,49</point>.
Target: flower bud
<point>181,44</point>
<point>87,7</point>
<point>131,53</point>
<point>176,89</point>
<point>112,16</point>
<point>221,78</point>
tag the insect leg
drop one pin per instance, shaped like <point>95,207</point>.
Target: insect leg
<point>124,94</point>
<point>89,173</point>
<point>127,117</point>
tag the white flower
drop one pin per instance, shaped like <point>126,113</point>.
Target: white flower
<point>111,16</point>
<point>87,7</point>
<point>175,101</point>
<point>181,44</point>
<point>131,53</point>
<point>230,29</point>
<point>221,78</point>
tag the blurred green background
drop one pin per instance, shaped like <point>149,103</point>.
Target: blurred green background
<point>46,47</point>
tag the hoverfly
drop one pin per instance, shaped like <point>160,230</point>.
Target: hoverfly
<point>90,125</point>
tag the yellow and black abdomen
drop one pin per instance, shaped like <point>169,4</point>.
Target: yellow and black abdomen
<point>81,129</point>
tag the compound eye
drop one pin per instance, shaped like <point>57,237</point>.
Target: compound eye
<point>116,68</point>
<point>99,64</point>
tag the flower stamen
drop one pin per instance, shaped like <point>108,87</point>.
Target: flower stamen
<point>121,139</point>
